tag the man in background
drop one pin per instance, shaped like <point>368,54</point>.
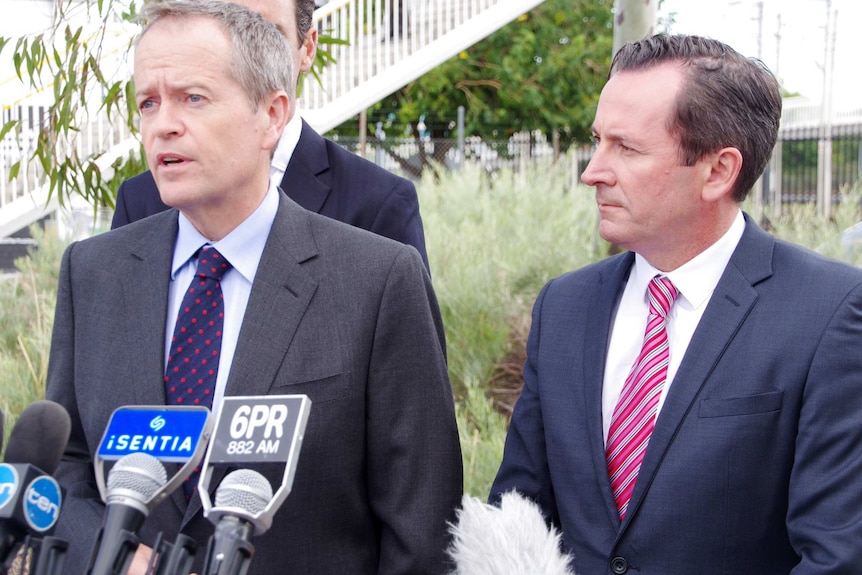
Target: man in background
<point>306,305</point>
<point>315,172</point>
<point>692,405</point>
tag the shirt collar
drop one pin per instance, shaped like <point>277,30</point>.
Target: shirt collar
<point>696,279</point>
<point>287,144</point>
<point>243,247</point>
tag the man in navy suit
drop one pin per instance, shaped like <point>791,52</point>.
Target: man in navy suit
<point>744,453</point>
<point>313,171</point>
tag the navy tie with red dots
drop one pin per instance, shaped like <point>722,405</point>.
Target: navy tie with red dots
<point>190,375</point>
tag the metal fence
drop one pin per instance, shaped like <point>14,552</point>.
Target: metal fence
<point>412,157</point>
<point>799,150</point>
<point>806,151</point>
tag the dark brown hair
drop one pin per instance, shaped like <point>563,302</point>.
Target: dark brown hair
<point>727,100</point>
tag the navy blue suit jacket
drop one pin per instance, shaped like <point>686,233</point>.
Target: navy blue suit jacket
<point>755,464</point>
<point>322,177</point>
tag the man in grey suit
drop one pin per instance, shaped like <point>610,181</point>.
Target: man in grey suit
<point>311,306</point>
<point>707,424</point>
<point>315,172</point>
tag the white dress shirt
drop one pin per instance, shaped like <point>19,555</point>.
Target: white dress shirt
<point>695,281</point>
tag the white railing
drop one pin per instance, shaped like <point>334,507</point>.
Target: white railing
<point>25,198</point>
<point>371,66</point>
<point>387,48</point>
<point>800,113</point>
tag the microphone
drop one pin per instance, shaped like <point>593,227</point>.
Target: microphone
<point>140,439</point>
<point>511,538</point>
<point>132,483</point>
<point>30,499</point>
<point>242,495</point>
<point>40,435</point>
<point>2,430</point>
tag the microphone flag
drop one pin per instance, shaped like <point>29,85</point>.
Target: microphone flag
<point>256,430</point>
<point>169,433</point>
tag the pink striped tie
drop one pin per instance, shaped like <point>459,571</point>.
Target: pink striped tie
<point>634,416</point>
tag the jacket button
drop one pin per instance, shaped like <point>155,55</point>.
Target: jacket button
<point>619,565</point>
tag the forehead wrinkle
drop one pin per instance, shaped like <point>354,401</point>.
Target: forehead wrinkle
<point>176,67</point>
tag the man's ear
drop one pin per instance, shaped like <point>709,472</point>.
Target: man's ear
<point>278,113</point>
<point>308,50</point>
<point>723,169</point>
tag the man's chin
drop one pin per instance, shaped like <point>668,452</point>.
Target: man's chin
<point>177,197</point>
<point>611,233</point>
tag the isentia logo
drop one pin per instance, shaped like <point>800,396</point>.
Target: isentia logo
<point>42,503</point>
<point>8,483</point>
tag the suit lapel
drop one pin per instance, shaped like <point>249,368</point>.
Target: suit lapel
<point>279,298</point>
<point>303,180</point>
<point>145,290</point>
<point>730,304</point>
<point>146,286</point>
<point>280,295</point>
<point>599,318</point>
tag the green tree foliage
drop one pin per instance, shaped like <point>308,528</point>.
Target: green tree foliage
<point>543,71</point>
<point>66,61</point>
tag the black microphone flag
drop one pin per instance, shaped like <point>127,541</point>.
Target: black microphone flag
<point>253,430</point>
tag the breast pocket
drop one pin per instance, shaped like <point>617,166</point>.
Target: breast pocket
<point>320,390</point>
<point>747,405</point>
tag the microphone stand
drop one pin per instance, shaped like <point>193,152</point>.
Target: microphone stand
<point>124,542</point>
<point>229,551</point>
<point>50,557</point>
<point>172,558</point>
<point>36,556</point>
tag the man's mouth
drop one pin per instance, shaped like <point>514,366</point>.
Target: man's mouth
<point>170,160</point>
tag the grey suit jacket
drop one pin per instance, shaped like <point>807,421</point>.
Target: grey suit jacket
<point>338,313</point>
<point>755,462</point>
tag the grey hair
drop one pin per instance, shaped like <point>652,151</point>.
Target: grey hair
<point>261,60</point>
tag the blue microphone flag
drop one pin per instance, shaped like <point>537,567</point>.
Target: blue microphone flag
<point>168,434</point>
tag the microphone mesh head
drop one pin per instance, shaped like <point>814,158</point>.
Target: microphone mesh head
<point>244,489</point>
<point>138,472</point>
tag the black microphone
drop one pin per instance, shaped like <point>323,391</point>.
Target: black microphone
<point>40,436</point>
<point>132,483</point>
<point>30,499</point>
<point>2,430</point>
<point>240,498</point>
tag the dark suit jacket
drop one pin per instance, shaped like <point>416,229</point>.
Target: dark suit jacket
<point>322,177</point>
<point>335,312</point>
<point>754,466</point>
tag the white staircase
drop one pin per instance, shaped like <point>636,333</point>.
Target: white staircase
<point>370,66</point>
<point>381,58</point>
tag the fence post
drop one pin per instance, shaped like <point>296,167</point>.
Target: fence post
<point>775,189</point>
<point>460,156</point>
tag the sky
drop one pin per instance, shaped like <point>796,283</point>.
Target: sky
<point>792,43</point>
